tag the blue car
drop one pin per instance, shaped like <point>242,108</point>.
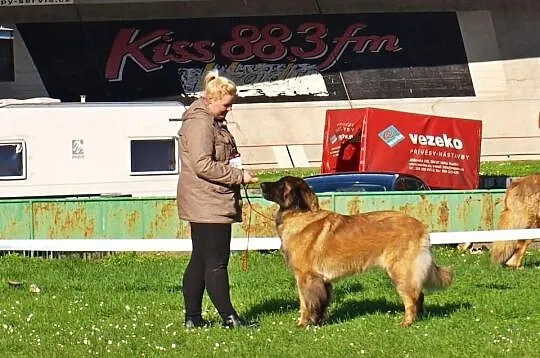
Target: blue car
<point>364,182</point>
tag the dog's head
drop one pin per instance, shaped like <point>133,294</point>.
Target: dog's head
<point>290,193</point>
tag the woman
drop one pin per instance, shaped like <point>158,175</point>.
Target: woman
<point>209,198</point>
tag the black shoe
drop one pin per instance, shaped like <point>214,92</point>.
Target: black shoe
<point>195,322</point>
<point>233,321</point>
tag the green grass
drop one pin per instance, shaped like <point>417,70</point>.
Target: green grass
<point>512,168</point>
<point>131,305</point>
<point>509,168</point>
<point>275,174</point>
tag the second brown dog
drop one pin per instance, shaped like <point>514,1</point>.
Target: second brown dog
<point>521,211</point>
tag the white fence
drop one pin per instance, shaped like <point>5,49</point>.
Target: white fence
<point>237,244</point>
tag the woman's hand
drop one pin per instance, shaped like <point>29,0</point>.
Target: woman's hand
<point>248,178</point>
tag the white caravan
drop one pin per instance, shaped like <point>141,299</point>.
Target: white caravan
<point>88,149</point>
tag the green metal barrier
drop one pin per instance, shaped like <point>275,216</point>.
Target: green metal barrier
<point>148,218</point>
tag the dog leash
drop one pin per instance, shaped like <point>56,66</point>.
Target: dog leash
<point>245,254</point>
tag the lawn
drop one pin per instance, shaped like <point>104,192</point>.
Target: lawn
<point>129,305</point>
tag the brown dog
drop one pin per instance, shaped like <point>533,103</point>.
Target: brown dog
<point>321,246</point>
<point>521,211</point>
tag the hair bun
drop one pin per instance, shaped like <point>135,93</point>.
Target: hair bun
<point>216,86</point>
<point>210,76</point>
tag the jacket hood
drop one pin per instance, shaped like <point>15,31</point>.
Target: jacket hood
<point>197,109</point>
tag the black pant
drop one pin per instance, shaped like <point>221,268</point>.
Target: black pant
<point>208,268</point>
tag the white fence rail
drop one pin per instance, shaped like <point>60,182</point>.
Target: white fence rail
<point>237,244</point>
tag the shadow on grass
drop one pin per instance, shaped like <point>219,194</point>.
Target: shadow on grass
<point>273,306</point>
<point>174,289</point>
<point>277,305</point>
<point>346,289</point>
<point>531,265</point>
<point>353,308</point>
<point>493,286</point>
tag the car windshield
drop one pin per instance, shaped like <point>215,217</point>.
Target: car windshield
<point>323,185</point>
<point>360,187</point>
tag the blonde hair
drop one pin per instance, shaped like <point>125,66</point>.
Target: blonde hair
<point>216,86</point>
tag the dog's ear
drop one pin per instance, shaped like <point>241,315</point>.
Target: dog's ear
<point>294,193</point>
<point>307,200</point>
<point>288,198</point>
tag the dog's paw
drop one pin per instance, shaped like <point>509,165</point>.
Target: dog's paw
<point>464,246</point>
<point>303,323</point>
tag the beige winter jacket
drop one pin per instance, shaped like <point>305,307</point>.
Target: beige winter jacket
<point>208,187</point>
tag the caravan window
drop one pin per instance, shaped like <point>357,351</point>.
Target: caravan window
<point>12,160</point>
<point>154,156</point>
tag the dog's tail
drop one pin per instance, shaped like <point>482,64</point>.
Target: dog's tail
<point>501,251</point>
<point>429,274</point>
<point>438,277</point>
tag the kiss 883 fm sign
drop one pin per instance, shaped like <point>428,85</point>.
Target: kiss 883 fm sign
<point>272,59</point>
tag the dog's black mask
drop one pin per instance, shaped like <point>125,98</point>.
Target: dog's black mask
<point>290,193</point>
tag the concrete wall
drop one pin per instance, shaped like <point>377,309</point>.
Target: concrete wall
<point>500,36</point>
<point>504,61</point>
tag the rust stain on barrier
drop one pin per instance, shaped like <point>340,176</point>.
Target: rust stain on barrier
<point>132,221</point>
<point>64,222</point>
<point>436,216</point>
<point>259,226</point>
<point>325,204</point>
<point>486,218</point>
<point>407,208</point>
<point>443,215</point>
<point>77,219</point>
<point>12,227</point>
<point>11,230</point>
<point>464,210</point>
<point>167,211</point>
<point>497,203</point>
<point>354,206</point>
<point>425,209</point>
<point>183,231</point>
<point>422,210</point>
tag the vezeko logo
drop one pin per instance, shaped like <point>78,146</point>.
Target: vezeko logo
<point>436,141</point>
<point>391,136</point>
